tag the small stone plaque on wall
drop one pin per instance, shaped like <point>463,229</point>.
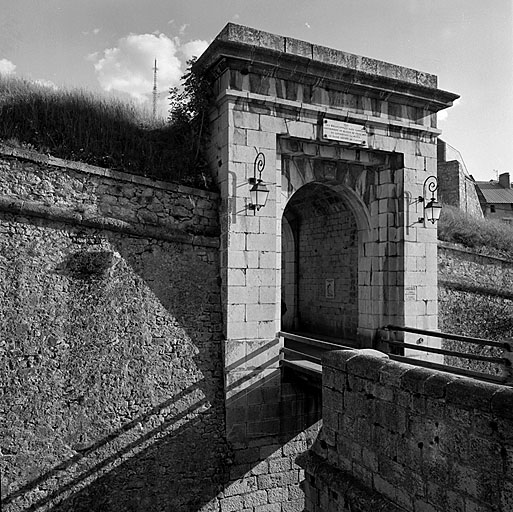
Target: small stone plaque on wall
<point>330,288</point>
<point>410,292</point>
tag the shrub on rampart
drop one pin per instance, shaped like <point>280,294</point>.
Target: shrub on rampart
<point>78,125</point>
<point>485,235</point>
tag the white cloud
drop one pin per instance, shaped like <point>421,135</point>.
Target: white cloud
<point>7,67</point>
<point>128,67</point>
<point>95,31</point>
<point>307,25</point>
<point>193,49</point>
<point>46,83</point>
<point>444,114</point>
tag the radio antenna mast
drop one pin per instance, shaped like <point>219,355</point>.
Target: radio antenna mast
<point>155,69</point>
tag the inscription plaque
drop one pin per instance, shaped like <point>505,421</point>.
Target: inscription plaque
<point>410,292</point>
<point>344,132</point>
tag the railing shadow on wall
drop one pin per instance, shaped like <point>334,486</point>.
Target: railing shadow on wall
<point>92,485</point>
<point>174,454</point>
<point>132,466</point>
<point>265,403</point>
<point>94,469</point>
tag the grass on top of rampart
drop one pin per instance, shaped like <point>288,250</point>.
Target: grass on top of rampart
<point>79,125</point>
<point>487,236</point>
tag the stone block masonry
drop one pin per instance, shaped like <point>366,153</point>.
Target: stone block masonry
<point>457,189</point>
<point>110,312</point>
<point>49,187</point>
<point>272,94</point>
<point>406,438</point>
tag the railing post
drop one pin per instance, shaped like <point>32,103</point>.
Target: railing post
<point>507,354</point>
<point>382,339</point>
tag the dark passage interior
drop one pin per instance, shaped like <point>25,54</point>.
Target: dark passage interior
<point>319,264</point>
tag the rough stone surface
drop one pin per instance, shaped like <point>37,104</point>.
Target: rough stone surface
<point>386,436</point>
<point>112,377</point>
<point>475,299</point>
<point>111,195</point>
<point>111,350</point>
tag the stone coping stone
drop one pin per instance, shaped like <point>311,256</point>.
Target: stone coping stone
<point>242,34</point>
<point>35,156</point>
<point>459,391</point>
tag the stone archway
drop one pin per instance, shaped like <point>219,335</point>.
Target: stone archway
<point>275,96</point>
<point>320,264</point>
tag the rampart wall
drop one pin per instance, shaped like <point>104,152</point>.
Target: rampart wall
<point>401,438</point>
<point>466,270</point>
<point>112,381</point>
<point>457,189</point>
<point>475,293</point>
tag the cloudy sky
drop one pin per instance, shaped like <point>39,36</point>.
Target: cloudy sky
<point>110,45</point>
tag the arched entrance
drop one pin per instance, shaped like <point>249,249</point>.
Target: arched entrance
<point>322,118</point>
<point>319,264</point>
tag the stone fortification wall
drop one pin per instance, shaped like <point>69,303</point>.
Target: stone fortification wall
<point>467,270</point>
<point>112,373</point>
<point>475,293</point>
<point>401,438</point>
<point>112,379</point>
<point>457,189</point>
<point>96,197</point>
<point>475,298</point>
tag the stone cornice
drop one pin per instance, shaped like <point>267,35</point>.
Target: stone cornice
<point>252,50</point>
<point>334,113</point>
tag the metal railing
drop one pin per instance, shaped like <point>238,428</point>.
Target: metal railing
<point>305,352</point>
<point>504,361</point>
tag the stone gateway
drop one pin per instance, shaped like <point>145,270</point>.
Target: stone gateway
<point>142,351</point>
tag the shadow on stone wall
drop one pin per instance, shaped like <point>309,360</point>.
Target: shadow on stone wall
<point>132,477</point>
<point>114,395</point>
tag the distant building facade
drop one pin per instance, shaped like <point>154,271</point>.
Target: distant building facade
<point>496,198</point>
<point>456,187</point>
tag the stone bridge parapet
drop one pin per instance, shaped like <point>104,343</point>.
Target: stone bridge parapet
<point>408,438</point>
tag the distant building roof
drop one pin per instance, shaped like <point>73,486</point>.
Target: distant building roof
<point>494,193</point>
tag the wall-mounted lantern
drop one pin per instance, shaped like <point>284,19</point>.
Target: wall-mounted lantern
<point>432,209</point>
<point>258,192</point>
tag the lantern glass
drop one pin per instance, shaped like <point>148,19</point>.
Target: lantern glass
<point>258,194</point>
<point>432,211</point>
